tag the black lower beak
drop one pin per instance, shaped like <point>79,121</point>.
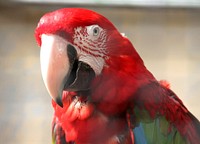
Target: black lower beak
<point>80,77</point>
<point>80,74</point>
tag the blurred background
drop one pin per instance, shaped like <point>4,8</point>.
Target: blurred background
<point>165,33</point>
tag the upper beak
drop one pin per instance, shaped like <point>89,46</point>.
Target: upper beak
<point>61,69</point>
<point>55,64</point>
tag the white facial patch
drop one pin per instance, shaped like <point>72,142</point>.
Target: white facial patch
<point>91,46</point>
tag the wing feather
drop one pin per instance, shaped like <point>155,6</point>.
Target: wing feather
<point>159,117</point>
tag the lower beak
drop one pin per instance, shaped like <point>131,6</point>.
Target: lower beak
<point>61,69</point>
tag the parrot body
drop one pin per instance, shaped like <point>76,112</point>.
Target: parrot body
<point>102,92</point>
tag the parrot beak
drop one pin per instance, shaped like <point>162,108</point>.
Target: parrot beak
<point>61,69</point>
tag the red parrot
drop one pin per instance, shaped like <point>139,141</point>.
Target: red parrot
<point>102,92</point>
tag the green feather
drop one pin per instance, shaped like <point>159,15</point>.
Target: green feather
<point>158,130</point>
<point>142,115</point>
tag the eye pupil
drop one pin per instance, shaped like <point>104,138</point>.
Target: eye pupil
<point>95,31</point>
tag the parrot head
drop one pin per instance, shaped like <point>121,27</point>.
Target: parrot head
<point>78,45</point>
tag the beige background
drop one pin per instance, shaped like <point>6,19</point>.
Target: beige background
<point>167,39</point>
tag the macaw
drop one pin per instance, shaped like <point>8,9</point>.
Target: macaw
<point>101,91</point>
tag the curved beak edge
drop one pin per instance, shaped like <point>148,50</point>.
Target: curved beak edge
<point>55,65</point>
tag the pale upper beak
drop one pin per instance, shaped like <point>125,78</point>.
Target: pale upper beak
<point>55,64</point>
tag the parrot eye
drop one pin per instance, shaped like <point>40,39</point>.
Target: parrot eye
<point>96,31</point>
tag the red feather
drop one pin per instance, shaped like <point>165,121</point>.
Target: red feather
<point>123,84</point>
